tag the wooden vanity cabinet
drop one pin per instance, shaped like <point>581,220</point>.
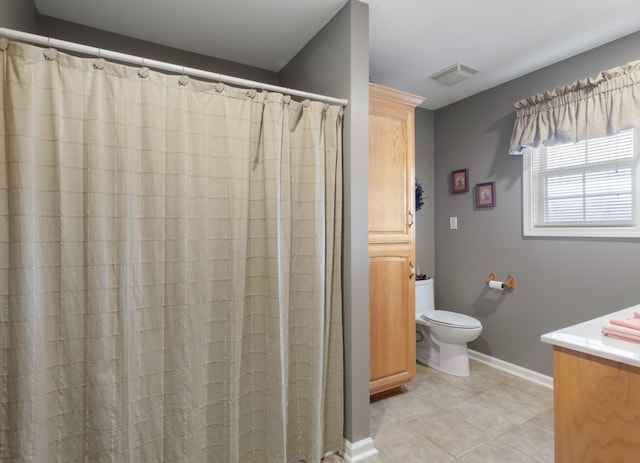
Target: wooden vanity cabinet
<point>597,408</point>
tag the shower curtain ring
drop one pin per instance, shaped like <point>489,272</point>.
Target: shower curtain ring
<point>184,80</point>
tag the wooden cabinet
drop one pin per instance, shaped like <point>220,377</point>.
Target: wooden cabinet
<point>391,318</point>
<point>391,238</point>
<point>597,408</point>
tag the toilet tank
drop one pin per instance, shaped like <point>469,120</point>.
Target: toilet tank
<point>424,297</point>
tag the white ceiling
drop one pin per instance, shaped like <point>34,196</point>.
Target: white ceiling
<point>409,39</point>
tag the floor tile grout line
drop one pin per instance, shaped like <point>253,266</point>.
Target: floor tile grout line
<point>506,380</point>
<point>467,392</point>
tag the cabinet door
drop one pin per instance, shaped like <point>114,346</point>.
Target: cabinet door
<point>392,322</point>
<point>596,408</point>
<point>391,172</point>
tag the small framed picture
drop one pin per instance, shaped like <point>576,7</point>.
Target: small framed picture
<point>486,194</point>
<point>460,181</point>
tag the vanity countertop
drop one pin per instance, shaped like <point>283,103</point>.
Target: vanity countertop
<point>587,337</point>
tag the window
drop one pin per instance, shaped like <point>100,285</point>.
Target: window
<point>585,189</point>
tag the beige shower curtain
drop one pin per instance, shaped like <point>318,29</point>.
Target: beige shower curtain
<point>170,257</point>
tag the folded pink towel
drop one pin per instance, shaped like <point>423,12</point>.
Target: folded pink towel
<point>633,323</point>
<point>619,335</point>
<point>622,332</point>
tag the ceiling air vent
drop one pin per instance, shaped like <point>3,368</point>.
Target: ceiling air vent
<point>453,74</point>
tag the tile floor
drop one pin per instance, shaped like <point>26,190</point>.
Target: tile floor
<point>487,417</point>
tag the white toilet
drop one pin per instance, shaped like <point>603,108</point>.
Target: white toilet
<point>442,336</point>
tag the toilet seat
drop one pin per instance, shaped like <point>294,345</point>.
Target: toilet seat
<point>453,319</point>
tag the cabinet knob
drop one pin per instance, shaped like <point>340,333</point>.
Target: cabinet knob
<point>410,219</point>
<point>413,270</point>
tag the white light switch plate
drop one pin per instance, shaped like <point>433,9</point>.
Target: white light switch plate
<point>453,223</point>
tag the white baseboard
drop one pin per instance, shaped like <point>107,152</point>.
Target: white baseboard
<point>524,373</point>
<point>358,451</point>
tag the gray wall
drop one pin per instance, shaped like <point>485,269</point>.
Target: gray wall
<point>425,230</point>
<point>19,14</point>
<point>559,282</point>
<point>64,30</point>
<point>22,15</point>
<point>336,62</point>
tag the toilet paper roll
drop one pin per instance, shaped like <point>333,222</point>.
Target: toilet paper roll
<point>494,284</point>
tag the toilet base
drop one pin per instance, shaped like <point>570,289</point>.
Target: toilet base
<point>452,359</point>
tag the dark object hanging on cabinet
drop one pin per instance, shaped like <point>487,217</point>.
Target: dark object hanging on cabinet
<point>419,192</point>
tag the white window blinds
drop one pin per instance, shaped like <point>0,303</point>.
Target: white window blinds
<point>587,185</point>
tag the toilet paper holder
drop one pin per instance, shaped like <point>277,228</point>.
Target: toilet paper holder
<point>509,283</point>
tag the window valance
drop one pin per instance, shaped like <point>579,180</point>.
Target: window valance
<point>588,108</point>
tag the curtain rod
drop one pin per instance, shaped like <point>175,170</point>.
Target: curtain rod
<point>131,59</point>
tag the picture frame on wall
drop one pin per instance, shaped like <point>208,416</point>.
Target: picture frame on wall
<point>460,181</point>
<point>486,194</point>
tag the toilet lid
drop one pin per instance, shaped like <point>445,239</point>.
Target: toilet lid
<point>444,317</point>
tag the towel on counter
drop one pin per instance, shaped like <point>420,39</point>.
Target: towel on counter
<point>633,322</point>
<point>621,332</point>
